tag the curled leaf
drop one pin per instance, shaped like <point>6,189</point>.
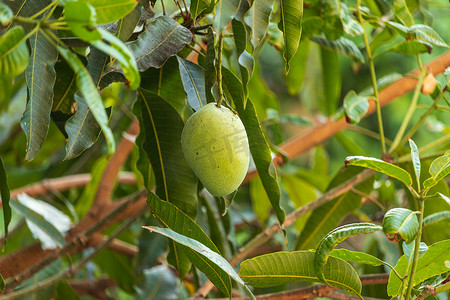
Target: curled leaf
<point>401,224</point>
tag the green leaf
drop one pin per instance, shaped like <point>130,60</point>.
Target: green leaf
<point>126,25</point>
<point>447,199</point>
<point>162,127</point>
<point>158,282</point>
<point>260,201</point>
<point>351,26</point>
<point>401,224</point>
<point>64,88</point>
<point>40,77</point>
<point>291,26</point>
<point>257,18</point>
<point>436,217</point>
<point>224,13</point>
<point>381,83</point>
<point>64,291</point>
<point>5,196</point>
<point>6,14</point>
<point>210,69</point>
<point>342,46</point>
<point>281,267</point>
<point>410,47</point>
<point>47,223</point>
<point>111,10</point>
<point>258,145</point>
<point>357,257</point>
<point>215,267</point>
<point>82,20</point>
<point>2,284</point>
<point>402,12</point>
<point>355,106</point>
<point>197,6</point>
<point>119,51</point>
<point>335,237</point>
<point>326,217</point>
<point>415,160</point>
<point>332,80</point>
<point>296,75</point>
<point>439,169</point>
<point>350,144</point>
<point>14,53</point>
<point>430,264</point>
<point>163,37</point>
<point>427,34</point>
<point>169,216</point>
<point>380,166</point>
<point>193,78</point>
<point>332,23</point>
<point>90,95</point>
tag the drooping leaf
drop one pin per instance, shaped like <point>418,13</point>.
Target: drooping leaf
<point>210,69</point>
<point>224,12</point>
<point>350,25</point>
<point>430,264</point>
<point>14,53</point>
<point>332,80</point>
<point>415,160</point>
<point>64,291</point>
<point>357,257</point>
<point>380,166</point>
<point>260,201</point>
<point>401,224</point>
<point>6,14</point>
<point>355,106</point>
<point>402,12</point>
<point>47,223</point>
<point>436,217</point>
<point>126,25</point>
<point>342,46</point>
<point>206,260</point>
<point>296,75</point>
<point>198,6</point>
<point>5,196</point>
<point>163,37</point>
<point>281,267</point>
<point>90,94</point>
<point>40,77</point>
<point>258,145</point>
<point>257,18</point>
<point>411,47</point>
<point>162,127</point>
<point>290,25</point>
<point>439,168</point>
<point>335,237</point>
<point>427,34</point>
<point>350,145</point>
<point>111,10</point>
<point>193,78</point>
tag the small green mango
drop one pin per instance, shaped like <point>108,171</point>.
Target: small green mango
<point>215,146</point>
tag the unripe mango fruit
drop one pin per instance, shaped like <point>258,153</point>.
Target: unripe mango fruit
<point>215,146</point>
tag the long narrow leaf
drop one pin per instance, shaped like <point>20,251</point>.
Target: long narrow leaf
<point>193,79</point>
<point>5,195</point>
<point>290,25</point>
<point>415,160</point>
<point>335,237</point>
<point>224,13</point>
<point>380,166</point>
<point>257,18</point>
<point>437,217</point>
<point>342,45</point>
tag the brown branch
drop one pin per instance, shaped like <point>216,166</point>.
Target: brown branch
<point>96,288</point>
<point>318,134</point>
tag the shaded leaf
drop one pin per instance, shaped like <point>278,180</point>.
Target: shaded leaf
<point>193,78</point>
<point>408,249</point>
<point>335,237</point>
<point>402,12</point>
<point>258,145</point>
<point>411,47</point>
<point>332,80</point>
<point>415,160</point>
<point>64,291</point>
<point>210,69</point>
<point>2,284</point>
<point>401,224</point>
<point>6,14</point>
<point>126,25</point>
<point>380,166</point>
<point>162,127</point>
<point>45,222</point>
<point>40,77</point>
<point>5,196</point>
<point>439,168</point>
<point>257,18</point>
<point>64,88</point>
<point>342,46</point>
<point>197,6</point>
<point>350,145</point>
<point>436,217</point>
<point>111,10</point>
<point>355,106</point>
<point>163,37</point>
<point>430,264</point>
<point>357,257</point>
<point>160,282</point>
<point>290,25</point>
<point>260,201</point>
<point>14,53</point>
<point>224,12</point>
<point>281,267</point>
<point>296,75</point>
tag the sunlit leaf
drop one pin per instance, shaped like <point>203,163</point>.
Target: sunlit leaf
<point>193,78</point>
<point>335,237</point>
<point>401,224</point>
<point>40,77</point>
<point>411,47</point>
<point>425,33</point>
<point>380,166</point>
<point>415,160</point>
<point>5,195</point>
<point>257,18</point>
<point>197,6</point>
<point>437,217</point>
<point>14,53</point>
<point>290,25</point>
<point>223,14</point>
<point>281,267</point>
<point>439,169</point>
<point>447,199</point>
<point>402,12</point>
<point>258,145</point>
<point>81,18</point>
<point>6,14</point>
<point>162,38</point>
<point>430,264</point>
<point>111,10</point>
<point>355,106</point>
<point>342,46</point>
<point>357,257</point>
<point>350,25</point>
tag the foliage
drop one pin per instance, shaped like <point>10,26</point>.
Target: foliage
<point>94,95</point>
